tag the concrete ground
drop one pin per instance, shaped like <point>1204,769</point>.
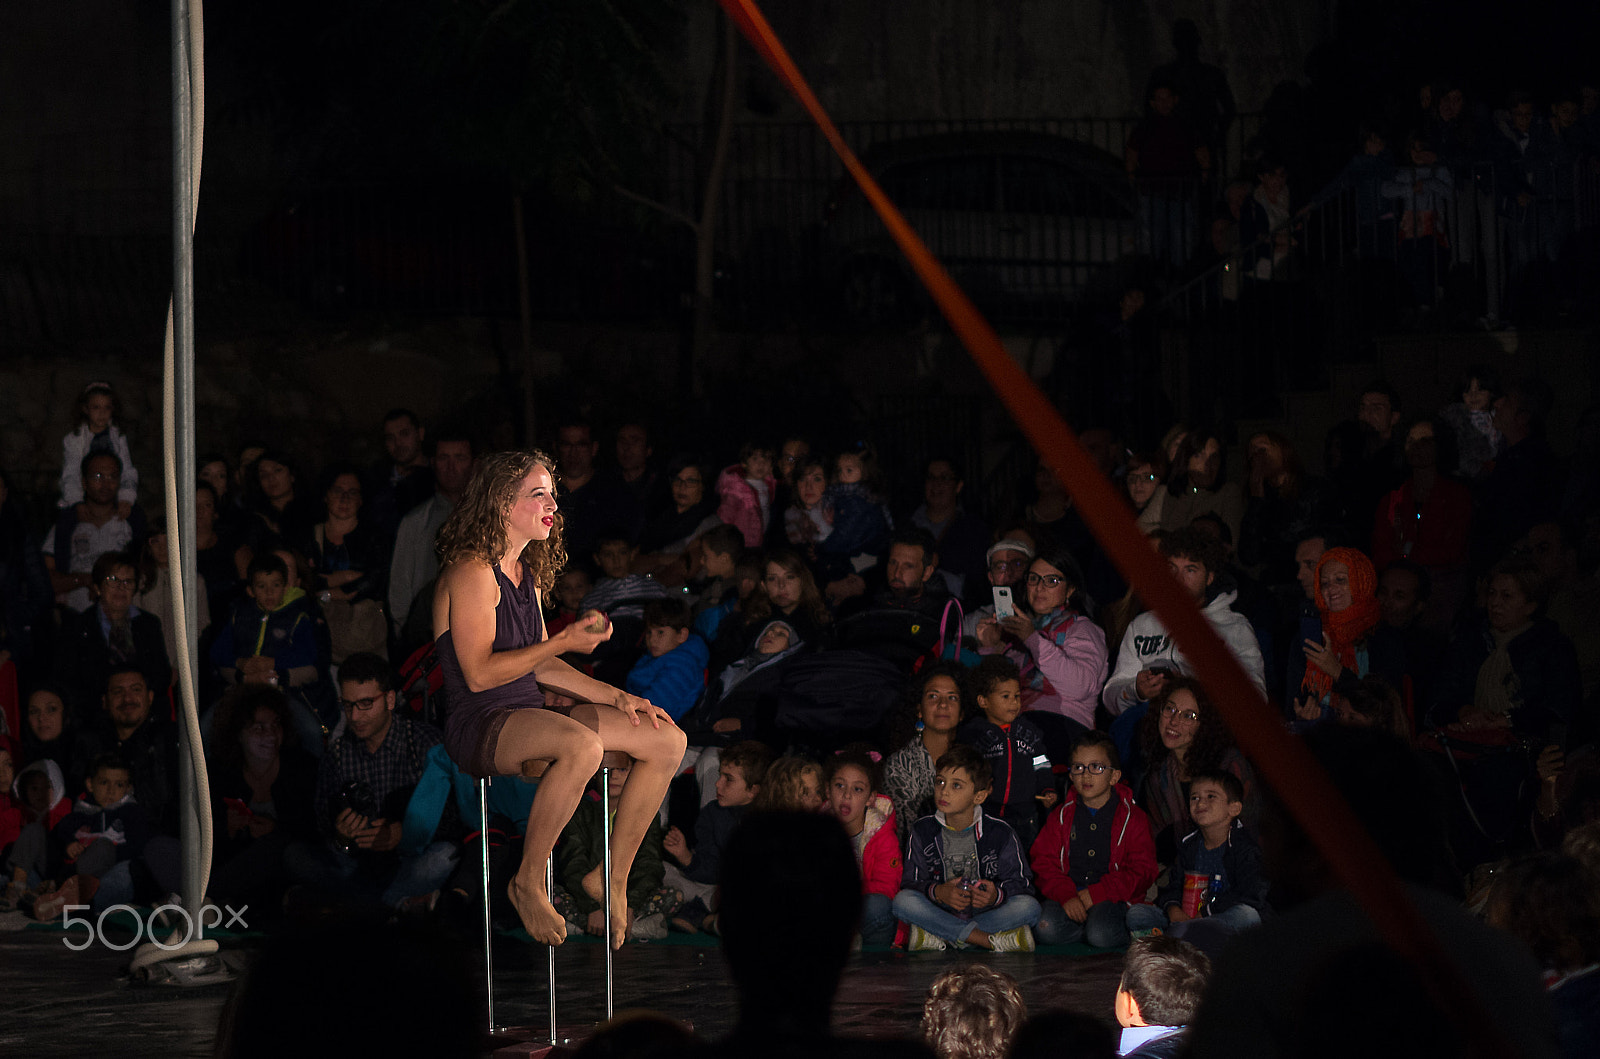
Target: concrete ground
<point>58,1002</point>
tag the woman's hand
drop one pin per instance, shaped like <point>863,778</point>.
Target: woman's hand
<point>727,724</point>
<point>989,634</point>
<point>1017,626</point>
<point>635,709</point>
<point>590,631</point>
<point>1308,708</point>
<point>1476,717</point>
<point>1324,657</point>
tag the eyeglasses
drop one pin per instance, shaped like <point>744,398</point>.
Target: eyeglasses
<point>113,579</point>
<point>360,704</point>
<point>1047,580</point>
<point>1186,716</point>
<point>1007,564</point>
<point>1096,767</point>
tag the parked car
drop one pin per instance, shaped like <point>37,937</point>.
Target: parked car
<point>1023,221</point>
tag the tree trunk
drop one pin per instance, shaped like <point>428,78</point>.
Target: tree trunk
<point>725,71</point>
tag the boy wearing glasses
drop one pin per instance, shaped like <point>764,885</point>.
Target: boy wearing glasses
<point>1095,855</point>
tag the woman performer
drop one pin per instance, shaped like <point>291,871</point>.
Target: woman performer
<point>499,549</point>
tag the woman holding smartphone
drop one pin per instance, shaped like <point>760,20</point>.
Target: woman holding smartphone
<point>1060,651</point>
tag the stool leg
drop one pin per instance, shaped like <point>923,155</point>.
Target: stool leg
<point>550,970</point>
<point>605,814</point>
<point>488,929</point>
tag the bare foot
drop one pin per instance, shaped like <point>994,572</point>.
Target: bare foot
<point>619,912</point>
<point>539,917</point>
<point>594,883</point>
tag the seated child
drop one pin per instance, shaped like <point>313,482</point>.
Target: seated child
<point>793,784</point>
<point>268,639</point>
<point>104,835</point>
<point>868,818</point>
<point>1162,981</point>
<point>745,492</point>
<point>1228,889</point>
<point>742,770</point>
<point>1095,855</point>
<point>748,569</point>
<point>966,878</point>
<point>619,592</point>
<point>672,671</point>
<point>566,598</point>
<point>1013,745</point>
<point>973,1012</point>
<point>717,577</point>
<point>36,803</point>
<point>580,867</point>
<point>861,524</point>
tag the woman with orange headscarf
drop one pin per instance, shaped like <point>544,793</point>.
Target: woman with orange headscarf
<point>1336,642</point>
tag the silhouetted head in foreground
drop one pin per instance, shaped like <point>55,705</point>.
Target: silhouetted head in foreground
<point>801,863</point>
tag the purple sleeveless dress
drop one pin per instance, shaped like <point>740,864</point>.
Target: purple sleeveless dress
<point>473,725</point>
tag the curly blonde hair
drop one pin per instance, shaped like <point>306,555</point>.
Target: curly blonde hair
<point>476,528</point>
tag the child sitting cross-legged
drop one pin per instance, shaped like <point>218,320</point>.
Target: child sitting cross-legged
<point>1095,854</point>
<point>966,878</point>
<point>672,671</point>
<point>868,818</point>
<point>741,771</point>
<point>580,866</point>
<point>104,835</point>
<point>1162,981</point>
<point>1217,874</point>
<point>1013,745</point>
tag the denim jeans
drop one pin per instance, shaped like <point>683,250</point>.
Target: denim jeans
<point>160,873</point>
<point>1235,919</point>
<point>1105,927</point>
<point>388,881</point>
<point>914,908</point>
<point>877,920</point>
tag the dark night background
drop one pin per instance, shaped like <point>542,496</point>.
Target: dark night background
<point>356,245</point>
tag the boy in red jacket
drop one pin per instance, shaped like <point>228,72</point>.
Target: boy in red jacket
<point>1095,854</point>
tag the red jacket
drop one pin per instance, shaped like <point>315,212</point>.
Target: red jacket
<point>880,859</point>
<point>1133,854</point>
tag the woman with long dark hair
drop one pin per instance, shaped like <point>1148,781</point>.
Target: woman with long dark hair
<point>499,550</point>
<point>1181,735</point>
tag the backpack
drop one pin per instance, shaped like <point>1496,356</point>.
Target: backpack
<point>836,697</point>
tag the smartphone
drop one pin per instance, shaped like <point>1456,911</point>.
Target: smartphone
<point>1003,607</point>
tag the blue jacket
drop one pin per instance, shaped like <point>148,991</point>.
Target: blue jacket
<point>1021,767</point>
<point>287,636</point>
<point>1001,858</point>
<point>675,680</point>
<point>1246,885</point>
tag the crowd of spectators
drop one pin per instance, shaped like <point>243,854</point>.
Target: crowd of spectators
<point>1017,752</point>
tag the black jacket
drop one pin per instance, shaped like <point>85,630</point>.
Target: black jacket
<point>84,659</point>
<point>1246,884</point>
<point>1546,668</point>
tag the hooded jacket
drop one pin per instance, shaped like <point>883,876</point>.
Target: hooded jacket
<point>673,681</point>
<point>1148,644</point>
<point>14,812</point>
<point>740,506</point>
<point>124,824</point>
<point>1001,859</point>
<point>286,635</point>
<point>881,868</point>
<point>1133,864</point>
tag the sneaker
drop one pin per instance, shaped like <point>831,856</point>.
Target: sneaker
<point>650,928</point>
<point>1153,932</point>
<point>920,940</point>
<point>1019,940</point>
